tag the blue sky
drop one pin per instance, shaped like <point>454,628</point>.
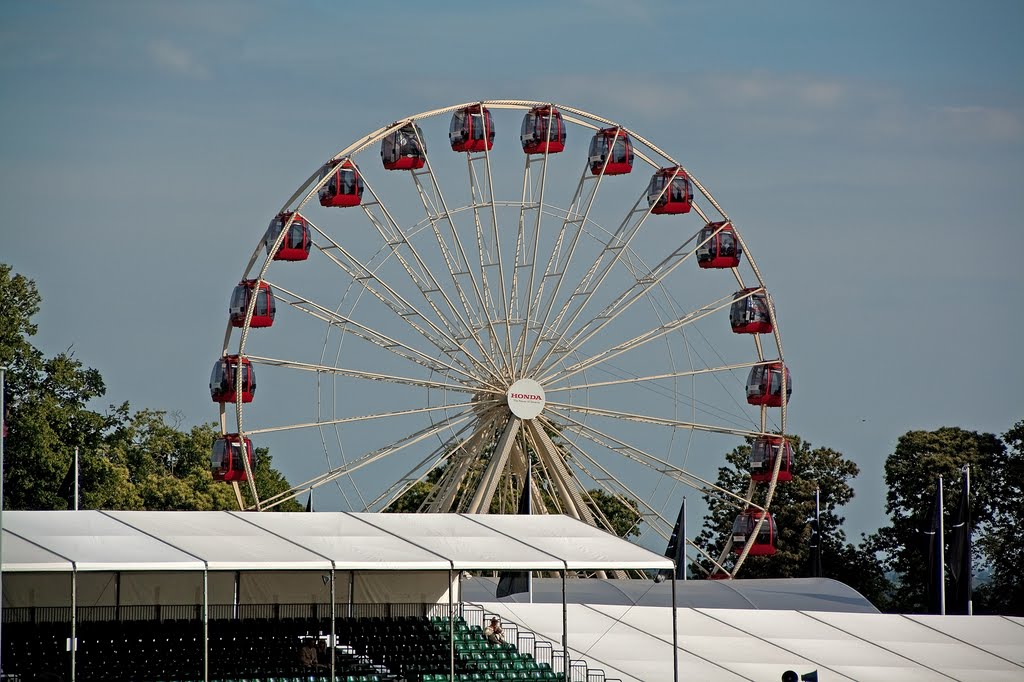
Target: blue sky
<point>871,154</point>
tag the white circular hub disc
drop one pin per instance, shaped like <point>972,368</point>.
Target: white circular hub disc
<point>526,398</point>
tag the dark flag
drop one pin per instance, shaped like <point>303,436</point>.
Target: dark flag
<point>309,502</point>
<point>935,569</point>
<point>676,549</point>
<point>815,569</point>
<point>514,582</point>
<point>960,550</point>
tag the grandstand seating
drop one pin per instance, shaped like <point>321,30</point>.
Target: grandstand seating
<point>370,649</point>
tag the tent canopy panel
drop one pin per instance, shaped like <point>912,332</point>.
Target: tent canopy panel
<point>95,541</point>
<point>349,541</point>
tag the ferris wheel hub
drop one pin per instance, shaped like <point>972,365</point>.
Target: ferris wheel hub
<point>526,398</point>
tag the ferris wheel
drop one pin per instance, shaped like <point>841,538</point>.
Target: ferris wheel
<point>439,321</point>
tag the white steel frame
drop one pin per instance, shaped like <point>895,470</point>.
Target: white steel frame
<point>484,312</point>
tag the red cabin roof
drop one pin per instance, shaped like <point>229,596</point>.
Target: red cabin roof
<point>749,312</point>
<point>262,314</point>
<point>763,454</point>
<point>226,462</point>
<point>718,247</point>
<point>764,385</point>
<point>344,187</point>
<point>743,527</point>
<point>677,198</point>
<point>611,152</point>
<point>404,149</point>
<point>222,380</point>
<point>471,129</point>
<point>296,243</point>
<point>543,131</point>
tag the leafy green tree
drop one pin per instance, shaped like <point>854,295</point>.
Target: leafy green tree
<point>126,461</point>
<point>911,473</point>
<point>623,514</point>
<point>792,508</point>
<point>1001,542</point>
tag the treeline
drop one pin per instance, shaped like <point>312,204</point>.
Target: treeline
<point>891,565</point>
<point>147,460</point>
<point>127,460</point>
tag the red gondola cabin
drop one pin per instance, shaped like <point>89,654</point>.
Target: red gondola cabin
<point>749,312</point>
<point>226,462</point>
<point>678,198</point>
<point>345,186</point>
<point>295,245</point>
<point>404,149</point>
<point>262,314</point>
<point>611,145</point>
<point>471,130</point>
<point>743,527</point>
<point>764,385</point>
<point>717,246</point>
<point>764,452</point>
<point>543,131</point>
<point>222,380</point>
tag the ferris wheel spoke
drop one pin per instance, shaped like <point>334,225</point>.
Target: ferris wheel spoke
<point>657,464</point>
<point>635,380</point>
<point>422,276</point>
<point>379,339</point>
<point>612,485</point>
<point>360,374</point>
<point>641,287</point>
<point>638,341</point>
<point>573,223</point>
<point>371,457</point>
<point>490,252</point>
<point>457,262</point>
<point>369,417</point>
<point>617,244</point>
<point>528,250</point>
<point>417,473</point>
<point>379,289</point>
<point>564,408</point>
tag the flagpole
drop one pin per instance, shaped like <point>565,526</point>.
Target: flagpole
<point>76,478</point>
<point>942,556</point>
<point>682,539</point>
<point>970,560</point>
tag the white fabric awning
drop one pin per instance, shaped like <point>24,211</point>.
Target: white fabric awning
<point>634,643</point>
<point>184,541</point>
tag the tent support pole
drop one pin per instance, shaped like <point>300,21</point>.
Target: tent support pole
<point>451,627</point>
<point>675,629</point>
<point>565,629</point>
<point>334,615</point>
<point>206,618</point>
<point>73,643</point>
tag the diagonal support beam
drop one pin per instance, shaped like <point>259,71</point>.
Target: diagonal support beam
<point>489,481</point>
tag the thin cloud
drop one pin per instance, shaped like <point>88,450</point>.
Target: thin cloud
<point>176,60</point>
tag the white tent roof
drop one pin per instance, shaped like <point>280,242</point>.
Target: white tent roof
<point>634,643</point>
<point>182,541</point>
<point>92,540</point>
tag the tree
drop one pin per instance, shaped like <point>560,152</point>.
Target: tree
<point>792,508</point>
<point>126,461</point>
<point>1001,542</point>
<point>911,472</point>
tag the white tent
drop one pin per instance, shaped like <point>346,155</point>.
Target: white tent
<point>72,558</point>
<point>634,643</point>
